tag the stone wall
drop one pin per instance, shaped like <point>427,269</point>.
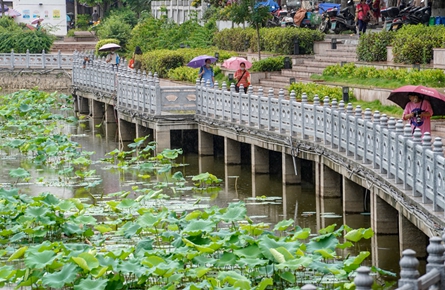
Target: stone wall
<point>44,79</point>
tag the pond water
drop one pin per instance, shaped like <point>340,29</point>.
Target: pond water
<point>267,199</point>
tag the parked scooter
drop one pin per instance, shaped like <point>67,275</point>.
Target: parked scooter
<point>345,20</point>
<point>408,16</point>
<point>327,17</point>
<point>307,18</point>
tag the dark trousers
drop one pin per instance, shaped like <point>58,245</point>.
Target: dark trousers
<point>362,26</point>
<point>237,89</point>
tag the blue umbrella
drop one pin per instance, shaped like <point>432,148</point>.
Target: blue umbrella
<point>199,61</point>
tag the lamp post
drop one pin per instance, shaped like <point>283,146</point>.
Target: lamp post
<point>291,80</point>
<point>286,62</point>
<point>296,46</point>
<point>216,55</point>
<point>230,78</point>
<point>416,66</point>
<point>345,94</point>
<point>334,43</point>
<point>246,45</point>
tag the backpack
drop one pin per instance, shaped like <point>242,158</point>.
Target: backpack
<point>118,59</point>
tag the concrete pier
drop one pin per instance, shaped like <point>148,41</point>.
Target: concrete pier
<point>205,143</point>
<point>232,151</point>
<point>328,181</point>
<point>353,196</point>
<point>260,160</point>
<point>384,217</point>
<point>97,109</point>
<point>110,114</point>
<point>127,131</point>
<point>291,175</point>
<point>83,105</point>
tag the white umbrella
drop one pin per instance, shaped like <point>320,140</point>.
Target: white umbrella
<point>109,46</point>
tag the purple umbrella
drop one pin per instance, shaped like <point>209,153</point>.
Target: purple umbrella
<point>199,61</point>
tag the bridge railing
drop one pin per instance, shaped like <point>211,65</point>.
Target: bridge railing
<point>36,60</point>
<point>389,147</point>
<point>137,93</point>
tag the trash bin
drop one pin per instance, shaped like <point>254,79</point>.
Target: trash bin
<point>432,21</point>
<point>437,21</point>
<point>442,20</point>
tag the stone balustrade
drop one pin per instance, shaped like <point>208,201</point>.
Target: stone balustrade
<point>36,60</point>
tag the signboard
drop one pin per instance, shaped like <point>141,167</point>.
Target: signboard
<point>53,13</point>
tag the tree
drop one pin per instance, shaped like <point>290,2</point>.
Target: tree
<point>246,11</point>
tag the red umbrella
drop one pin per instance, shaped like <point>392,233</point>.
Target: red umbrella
<point>436,99</point>
<point>234,62</point>
<point>37,20</point>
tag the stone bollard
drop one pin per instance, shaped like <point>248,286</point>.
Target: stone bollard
<point>435,258</point>
<point>309,287</point>
<point>363,281</point>
<point>408,269</point>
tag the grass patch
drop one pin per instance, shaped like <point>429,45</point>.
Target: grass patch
<point>391,111</point>
<point>359,82</point>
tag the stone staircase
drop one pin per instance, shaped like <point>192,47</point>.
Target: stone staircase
<point>303,68</point>
<point>70,47</point>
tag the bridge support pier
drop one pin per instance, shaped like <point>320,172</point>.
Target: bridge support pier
<point>353,196</point>
<point>97,110</point>
<point>288,169</point>
<point>162,137</point>
<point>328,182</point>
<point>110,115</point>
<point>259,159</point>
<point>127,131</point>
<point>384,217</point>
<point>232,151</point>
<point>83,103</point>
<point>410,237</point>
<point>205,143</point>
<point>142,131</point>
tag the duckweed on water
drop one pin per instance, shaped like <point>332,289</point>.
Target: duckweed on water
<point>145,242</point>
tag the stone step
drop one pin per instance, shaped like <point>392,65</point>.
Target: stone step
<point>315,63</point>
<point>440,128</point>
<point>308,69</point>
<point>338,53</point>
<point>296,74</point>
<point>335,59</point>
<point>342,48</point>
<point>282,79</point>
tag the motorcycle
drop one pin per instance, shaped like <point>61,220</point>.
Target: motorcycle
<point>408,16</point>
<point>327,17</point>
<point>306,19</point>
<point>345,20</point>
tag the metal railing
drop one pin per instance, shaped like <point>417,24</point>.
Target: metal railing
<point>36,60</point>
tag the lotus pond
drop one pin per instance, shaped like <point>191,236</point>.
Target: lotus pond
<point>131,219</point>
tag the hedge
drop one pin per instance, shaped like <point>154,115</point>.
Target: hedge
<point>23,40</point>
<point>275,40</point>
<point>372,46</point>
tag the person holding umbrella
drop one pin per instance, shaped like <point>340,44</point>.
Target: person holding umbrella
<point>242,76</point>
<point>419,112</point>
<point>206,72</point>
<point>113,59</point>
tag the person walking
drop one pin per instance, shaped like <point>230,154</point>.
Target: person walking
<point>95,16</point>
<point>113,59</point>
<point>242,76</point>
<point>206,73</point>
<point>362,11</point>
<point>137,58</point>
<point>419,112</point>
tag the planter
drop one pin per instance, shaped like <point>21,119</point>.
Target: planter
<point>389,55</point>
<point>439,58</point>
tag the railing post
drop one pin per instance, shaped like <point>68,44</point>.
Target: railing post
<point>43,59</point>
<point>383,125</point>
<point>406,135</point>
<point>399,134</point>
<point>417,140</point>
<point>348,131</point>
<point>368,119</point>
<point>280,110</point>
<point>260,96</point>
<point>59,59</point>
<point>391,128</point>
<point>158,96</point>
<point>12,58</point>
<point>250,111</point>
<point>357,116</point>
<point>333,109</point>
<point>341,111</point>
<point>325,119</point>
<point>376,121</point>
<point>269,118</point>
<point>426,145</point>
<point>435,258</point>
<point>363,281</point>
<point>240,104</point>
<point>437,150</point>
<point>232,89</point>
<point>316,104</point>
<point>303,116</point>
<point>408,269</point>
<point>27,59</point>
<point>292,101</point>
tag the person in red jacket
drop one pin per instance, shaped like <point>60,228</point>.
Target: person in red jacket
<point>362,11</point>
<point>242,77</point>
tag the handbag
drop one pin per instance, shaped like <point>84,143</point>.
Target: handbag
<point>131,63</point>
<point>366,18</point>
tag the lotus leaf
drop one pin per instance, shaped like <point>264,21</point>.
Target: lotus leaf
<point>252,262</point>
<point>352,263</point>
<point>152,261</point>
<point>264,284</point>
<point>203,260</point>
<point>193,215</point>
<point>301,234</point>
<point>266,243</point>
<point>226,259</point>
<point>86,261</point>
<point>91,284</point>
<point>296,264</point>
<point>233,277</point>
<point>59,279</point>
<point>288,276</point>
<point>250,251</point>
<point>130,229</point>
<point>328,241</point>
<point>19,173</point>
<point>196,227</point>
<point>283,225</point>
<point>149,220</point>
<point>17,237</point>
<point>39,260</point>
<point>24,108</point>
<point>16,143</point>
<point>131,266</point>
<point>327,230</point>
<point>326,253</point>
<point>18,254</point>
<point>279,258</point>
<point>85,220</point>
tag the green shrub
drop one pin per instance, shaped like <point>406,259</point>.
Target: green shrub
<point>102,42</point>
<point>8,24</point>
<point>183,73</point>
<point>312,89</point>
<point>372,46</point>
<point>83,21</point>
<point>8,41</point>
<point>115,27</point>
<point>161,61</point>
<point>144,34</point>
<point>427,77</point>
<point>127,15</point>
<point>23,40</point>
<point>269,64</point>
<point>275,40</point>
<point>415,43</point>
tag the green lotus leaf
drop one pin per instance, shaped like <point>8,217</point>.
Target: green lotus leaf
<point>226,259</point>
<point>72,229</point>
<point>144,245</point>
<point>6,273</point>
<point>165,168</point>
<point>206,248</point>
<point>283,225</point>
<point>40,159</point>
<point>266,243</point>
<point>250,251</point>
<point>85,220</point>
<point>81,161</point>
<point>171,153</point>
<point>203,260</point>
<point>91,284</point>
<point>103,228</point>
<point>198,272</point>
<point>286,254</point>
<point>326,253</point>
<point>327,230</point>
<point>328,241</point>
<point>152,261</point>
<point>178,176</point>
<point>345,245</point>
<point>279,258</point>
<point>196,227</point>
<point>130,229</point>
<point>301,234</point>
<point>368,233</point>
<point>65,205</point>
<point>149,220</point>
<point>18,254</point>
<point>322,267</point>
<point>252,262</point>
<point>352,263</point>
<point>126,203</point>
<point>193,215</point>
<point>295,264</point>
<point>235,213</point>
<point>16,143</point>
<point>17,237</point>
<point>51,150</point>
<point>168,269</point>
<point>86,261</point>
<point>108,262</point>
<point>59,279</point>
<point>99,272</point>
<point>39,260</point>
<point>265,282</point>
<point>24,108</point>
<point>288,276</point>
<point>131,266</point>
<point>19,173</point>
<point>232,278</point>
<point>146,167</point>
